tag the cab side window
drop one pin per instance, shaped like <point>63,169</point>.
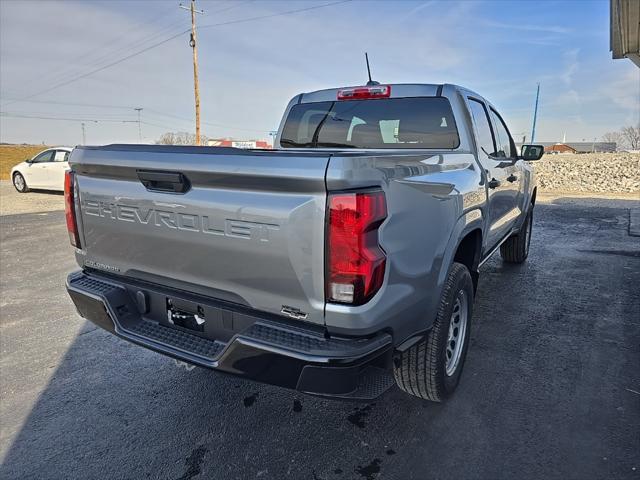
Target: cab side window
<point>483,127</point>
<point>504,144</point>
<point>44,157</point>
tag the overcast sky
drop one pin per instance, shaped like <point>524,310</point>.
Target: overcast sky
<point>250,69</point>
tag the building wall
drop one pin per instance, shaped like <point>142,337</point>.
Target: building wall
<point>560,148</point>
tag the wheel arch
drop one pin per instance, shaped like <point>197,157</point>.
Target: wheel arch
<point>17,171</point>
<point>468,229</point>
<point>469,251</point>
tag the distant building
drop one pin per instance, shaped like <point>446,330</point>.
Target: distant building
<point>227,142</point>
<point>559,148</point>
<point>577,147</point>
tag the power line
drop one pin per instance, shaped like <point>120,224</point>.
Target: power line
<point>236,4</point>
<point>94,120</point>
<point>83,121</point>
<point>162,42</point>
<point>277,14</point>
<point>220,125</point>
<point>63,75</point>
<point>151,111</point>
<point>70,73</point>
<point>96,57</point>
<point>55,87</point>
<point>119,116</point>
<point>137,42</point>
<point>165,127</point>
<point>74,104</point>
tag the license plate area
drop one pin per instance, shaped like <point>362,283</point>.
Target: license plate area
<point>201,316</point>
<point>188,316</point>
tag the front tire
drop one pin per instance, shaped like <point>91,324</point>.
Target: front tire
<point>19,183</point>
<point>431,368</point>
<point>516,248</point>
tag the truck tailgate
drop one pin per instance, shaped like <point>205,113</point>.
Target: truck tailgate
<point>249,227</point>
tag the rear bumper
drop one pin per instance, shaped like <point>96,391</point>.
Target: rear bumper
<point>239,341</point>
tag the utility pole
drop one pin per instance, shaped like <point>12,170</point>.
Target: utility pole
<point>535,116</point>
<point>84,135</point>
<point>139,110</point>
<point>194,47</point>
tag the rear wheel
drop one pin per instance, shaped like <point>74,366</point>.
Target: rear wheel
<point>516,248</point>
<point>19,183</point>
<point>431,368</point>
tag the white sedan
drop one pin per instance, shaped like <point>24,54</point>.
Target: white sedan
<point>45,170</point>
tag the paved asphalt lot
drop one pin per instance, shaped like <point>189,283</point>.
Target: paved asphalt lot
<point>551,387</point>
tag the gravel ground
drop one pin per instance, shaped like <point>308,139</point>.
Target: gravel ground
<point>590,173</point>
<point>12,202</point>
<point>610,200</point>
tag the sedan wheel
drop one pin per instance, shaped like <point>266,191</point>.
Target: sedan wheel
<point>20,183</point>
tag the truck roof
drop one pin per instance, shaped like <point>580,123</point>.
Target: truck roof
<point>397,90</point>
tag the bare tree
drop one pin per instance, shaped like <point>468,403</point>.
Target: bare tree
<point>166,139</point>
<point>180,138</point>
<point>631,136</point>
<point>613,137</point>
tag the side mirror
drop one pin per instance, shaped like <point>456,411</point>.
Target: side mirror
<point>531,152</point>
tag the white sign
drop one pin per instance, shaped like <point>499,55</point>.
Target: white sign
<point>243,144</point>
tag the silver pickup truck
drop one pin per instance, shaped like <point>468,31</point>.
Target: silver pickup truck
<point>341,261</point>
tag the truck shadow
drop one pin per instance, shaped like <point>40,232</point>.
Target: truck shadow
<point>113,410</point>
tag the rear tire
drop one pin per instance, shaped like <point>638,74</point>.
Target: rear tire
<point>431,368</point>
<point>19,183</point>
<point>516,248</point>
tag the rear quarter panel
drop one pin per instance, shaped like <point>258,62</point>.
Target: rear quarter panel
<point>432,200</point>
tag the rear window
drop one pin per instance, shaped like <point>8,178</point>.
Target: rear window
<point>420,122</point>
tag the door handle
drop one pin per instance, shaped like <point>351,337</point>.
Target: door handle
<point>172,182</point>
<point>512,178</point>
<point>493,183</point>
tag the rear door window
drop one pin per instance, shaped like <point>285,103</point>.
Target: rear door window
<point>483,127</point>
<point>420,122</point>
<point>61,156</point>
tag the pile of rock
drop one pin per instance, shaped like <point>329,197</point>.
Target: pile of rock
<point>589,172</point>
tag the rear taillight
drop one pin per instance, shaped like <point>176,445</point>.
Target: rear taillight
<point>69,208</point>
<point>364,93</point>
<point>355,261</point>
